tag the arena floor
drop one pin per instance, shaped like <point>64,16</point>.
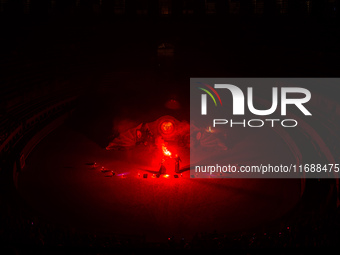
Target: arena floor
<point>63,188</point>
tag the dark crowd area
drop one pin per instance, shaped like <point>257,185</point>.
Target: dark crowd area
<point>307,232</point>
<point>313,225</point>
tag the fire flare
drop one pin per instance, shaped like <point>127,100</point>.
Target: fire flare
<point>166,152</point>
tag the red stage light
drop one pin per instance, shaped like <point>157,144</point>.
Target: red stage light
<point>167,127</point>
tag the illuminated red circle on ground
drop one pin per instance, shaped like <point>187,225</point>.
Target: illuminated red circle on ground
<point>167,127</point>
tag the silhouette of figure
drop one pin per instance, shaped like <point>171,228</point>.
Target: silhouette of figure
<point>162,169</point>
<point>177,160</point>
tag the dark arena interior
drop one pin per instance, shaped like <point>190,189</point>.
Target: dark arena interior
<point>95,127</point>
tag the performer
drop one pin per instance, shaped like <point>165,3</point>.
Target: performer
<point>177,160</point>
<point>162,169</point>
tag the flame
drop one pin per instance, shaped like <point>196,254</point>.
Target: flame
<point>209,130</point>
<point>166,152</point>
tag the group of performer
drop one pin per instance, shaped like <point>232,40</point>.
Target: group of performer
<point>145,137</point>
<point>162,169</point>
